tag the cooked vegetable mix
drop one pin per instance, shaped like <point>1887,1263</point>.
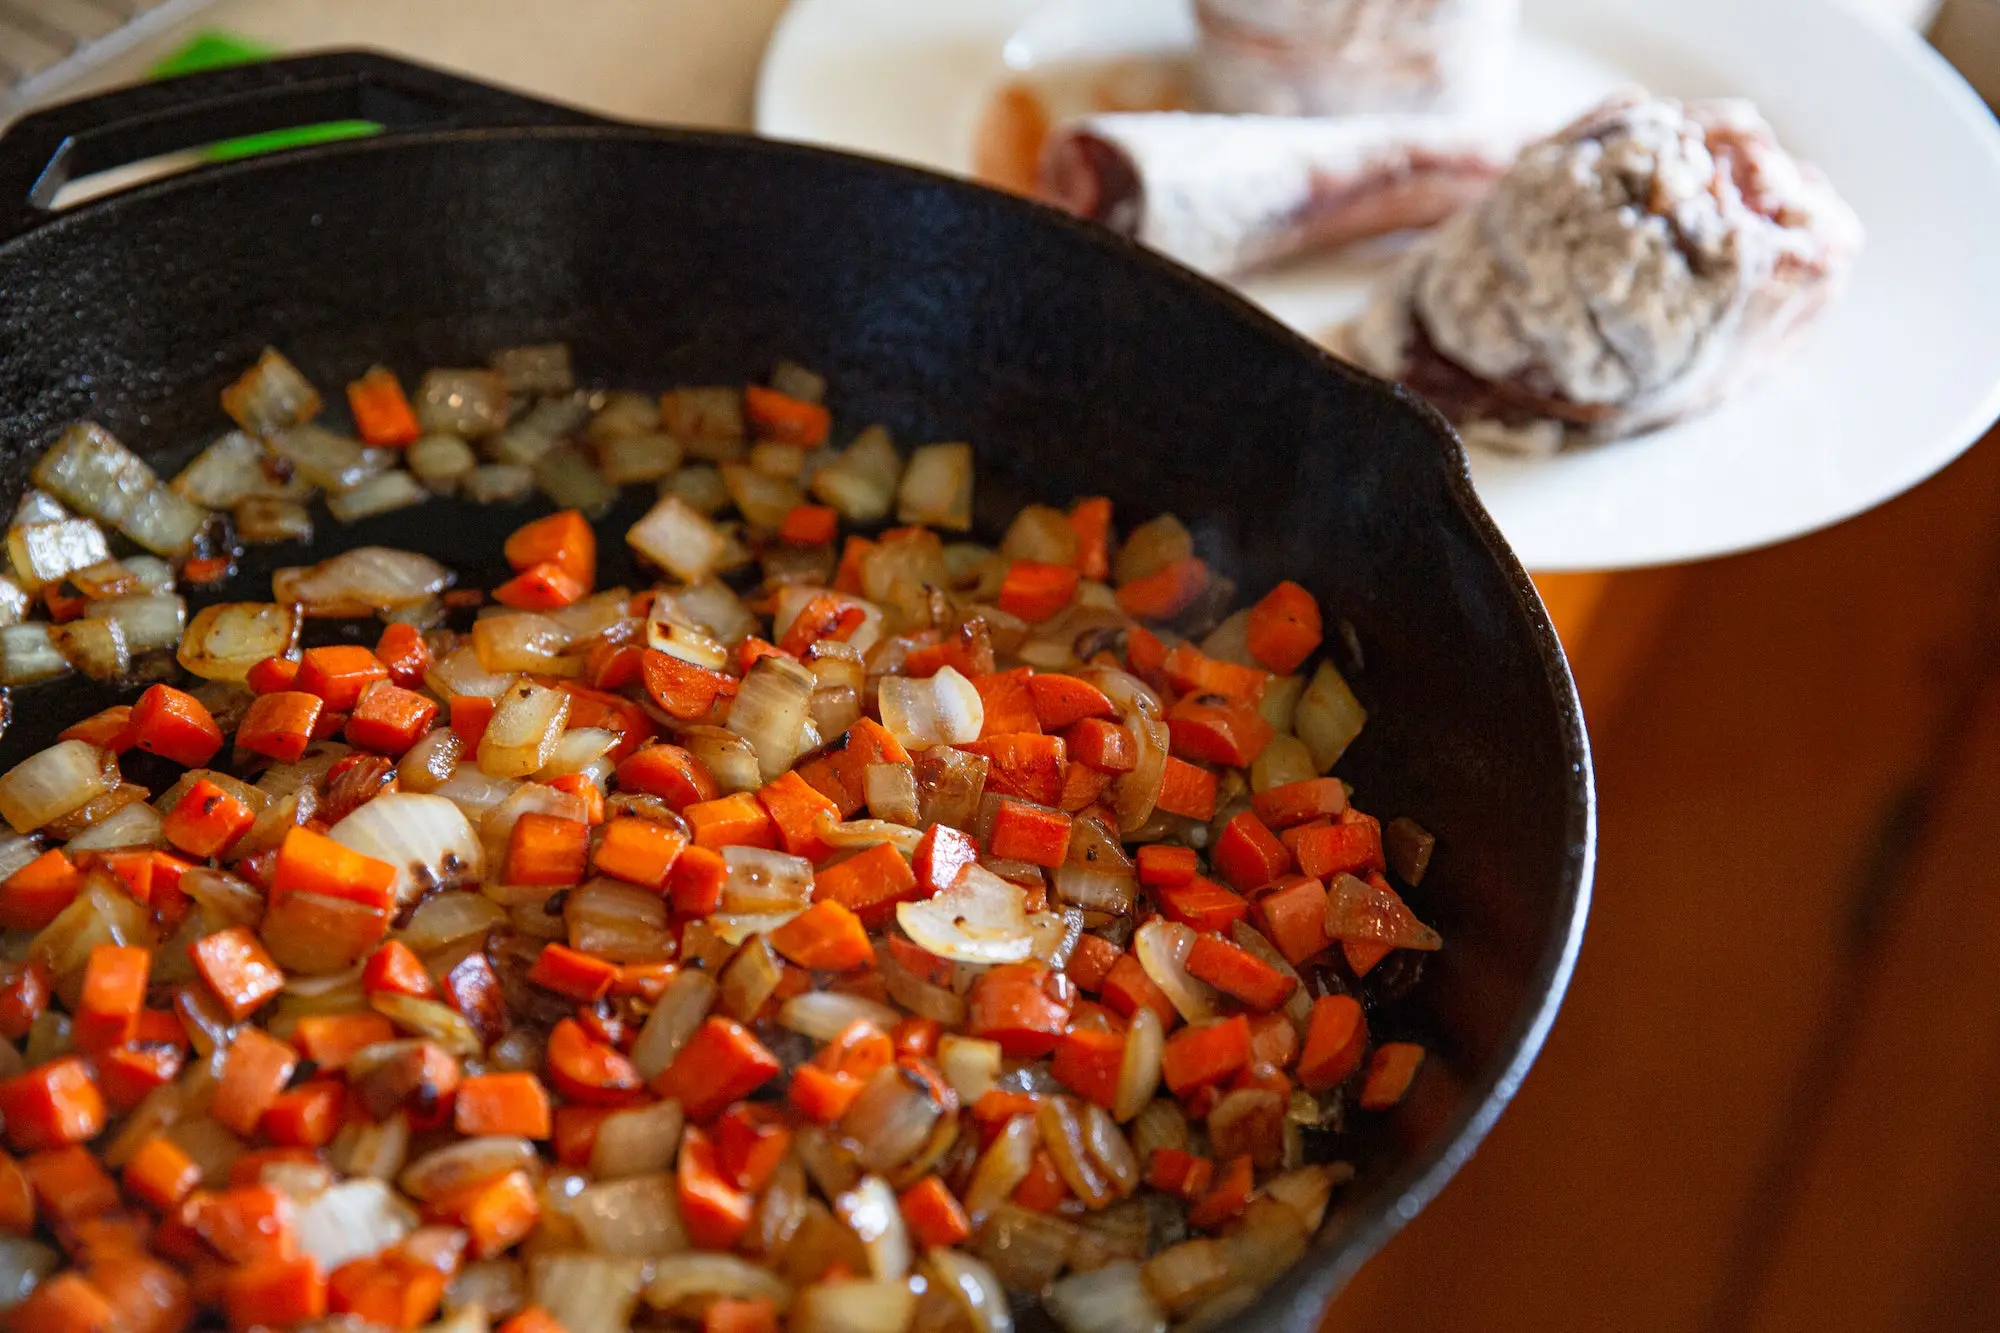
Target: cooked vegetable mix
<point>849,934</point>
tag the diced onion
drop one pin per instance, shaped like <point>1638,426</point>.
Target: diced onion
<point>522,734</point>
<point>969,1288</point>
<point>446,918</point>
<point>681,1282</point>
<point>429,763</point>
<point>1135,794</point>
<point>535,368</point>
<point>440,462</point>
<point>683,1004</point>
<point>271,395</point>
<point>1151,547</point>
<point>970,1064</point>
<point>918,996</point>
<point>391,490</point>
<point>589,1293</point>
<point>892,793</point>
<point>1063,1134</point>
<point>1040,533</point>
<point>1108,891</point>
<point>95,474</point>
<point>150,622</point>
<point>637,1141</point>
<point>430,1020</point>
<point>1109,1148</point>
<point>861,483</point>
<point>824,1015</point>
<point>1002,1167</point>
<point>936,489</point>
<point>870,833</point>
<point>980,919</point>
<point>571,481</point>
<point>943,710</point>
<point>643,456</point>
<point>23,1265</point>
<point>1027,1249</point>
<point>328,460</point>
<point>870,1212</point>
<point>361,582</point>
<point>678,538</point>
<point>635,1217</point>
<point>467,403</point>
<point>728,757</point>
<point>762,880</point>
<point>1306,1190</point>
<point>498,483</point>
<point>762,499</point>
<point>29,655</point>
<point>226,472</point>
<point>352,1220</point>
<point>45,553</point>
<point>890,1120</point>
<point>537,432</point>
<point>769,711</point>
<point>476,793</point>
<point>851,1306</point>
<point>1181,1276</point>
<point>1139,1070</point>
<point>521,641</point>
<point>48,785</point>
<point>1328,717</point>
<point>134,825</point>
<point>427,838</point>
<point>1283,759</point>
<point>1162,948</point>
<point>1111,1299</point>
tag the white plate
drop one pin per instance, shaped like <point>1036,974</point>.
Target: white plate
<point>1899,378</point>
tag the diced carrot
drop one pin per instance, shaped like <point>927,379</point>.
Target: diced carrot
<point>175,725</point>
<point>612,666</point>
<point>390,719</point>
<point>338,673</point>
<point>544,587</point>
<point>126,1074</point>
<point>272,675</point>
<point>581,976</point>
<point>69,1185</point>
<point>395,968</point>
<point>403,651</point>
<point>247,1222</point>
<point>255,1069</point>
<point>870,883</point>
<point>1162,865</point>
<point>509,1103</point>
<point>330,1040</point>
<point>809,525</point>
<point>1336,1039</point>
<point>133,869</point>
<point>1090,520</point>
<point>1337,849</point>
<point>1023,764</point>
<point>547,850</point>
<point>934,1215</point>
<point>1201,904</point>
<point>1227,1198</point>
<point>109,729</point>
<point>847,577</point>
<point>237,969</point>
<point>639,851</point>
<point>573,1132</point>
<point>17,1198</point>
<point>469,715</point>
<point>683,690</point>
<point>586,1070</point>
<point>826,937</point>
<point>280,724</point>
<point>1291,804</point>
<point>64,1303</point>
<point>207,820</point>
<point>1239,972</point>
<point>1087,1061</point>
<point>789,420</point>
<point>37,893</point>
<point>382,414</point>
<point>24,996</point>
<point>1166,592</point>
<point>307,1116</point>
<point>1391,1067</point>
<point>1127,988</point>
<point>51,1105</point>
<point>736,820</point>
<point>1091,961</point>
<point>386,1290</point>
<point>534,1319</point>
<point>1061,701</point>
<point>714,1212</point>
<point>1284,628</point>
<point>114,991</point>
<point>697,881</point>
<point>1294,917</point>
<point>732,1314</point>
<point>1042,1190</point>
<point>1192,672</point>
<point>670,773</point>
<point>1144,652</point>
<point>751,1143</point>
<point>274,1293</point>
<point>1247,853</point>
<point>1008,702</point>
<point>1187,790</point>
<point>159,1174</point>
<point>796,811</point>
<point>820,1095</point>
<point>495,1213</point>
<point>1083,787</point>
<point>1178,1172</point>
<point>1205,1053</point>
<point>753,648</point>
<point>310,862</point>
<point>1012,1005</point>
<point>941,857</point>
<point>1023,832</point>
<point>1363,955</point>
<point>1036,591</point>
<point>826,616</point>
<point>564,539</point>
<point>1228,734</point>
<point>720,1063</point>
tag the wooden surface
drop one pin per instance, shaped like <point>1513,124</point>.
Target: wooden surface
<point>1767,1104</point>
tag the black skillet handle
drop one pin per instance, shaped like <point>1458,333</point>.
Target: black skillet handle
<point>41,152</point>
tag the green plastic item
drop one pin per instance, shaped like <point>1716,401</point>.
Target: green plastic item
<point>215,49</point>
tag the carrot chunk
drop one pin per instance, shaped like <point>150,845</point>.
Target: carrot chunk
<point>715,1212</point>
<point>280,724</point>
<point>1008,701</point>
<point>174,725</point>
<point>933,1213</point>
<point>509,1103</point>
<point>1187,790</point>
<point>736,820</point>
<point>1061,700</point>
<point>720,1063</point>
<point>307,1116</point>
<point>695,886</point>
<point>255,1068</point>
<point>584,1069</point>
<point>1336,849</point>
<point>1127,988</point>
<point>1391,1067</point>
<point>330,1040</point>
<point>395,969</point>
<point>1291,804</point>
<point>684,691</point>
<point>1239,972</point>
<point>796,811</point>
<point>338,673</point>
<point>37,893</point>
<point>564,539</point>
<point>311,862</point>
<point>402,649</point>
<point>670,773</point>
<point>51,1105</point>
<point>1166,592</point>
<point>160,1174</point>
<point>1023,764</point>
<point>547,850</point>
<point>1206,1053</point>
<point>1201,904</point>
<point>1191,671</point>
<point>114,991</point>
<point>1165,866</point>
<point>1284,628</point>
<point>207,820</point>
<point>1087,1061</point>
<point>390,719</point>
<point>382,414</point>
<point>274,1293</point>
<point>809,525</point>
<point>826,937</point>
<point>639,851</point>
<point>1023,832</point>
<point>1247,853</point>
<point>237,969</point>
<point>581,976</point>
<point>1036,591</point>
<point>1336,1038</point>
<point>786,419</point>
<point>1228,734</point>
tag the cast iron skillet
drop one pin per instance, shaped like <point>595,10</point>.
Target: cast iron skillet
<point>1076,363</point>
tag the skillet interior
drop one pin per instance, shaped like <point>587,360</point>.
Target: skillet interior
<point>1075,363</point>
